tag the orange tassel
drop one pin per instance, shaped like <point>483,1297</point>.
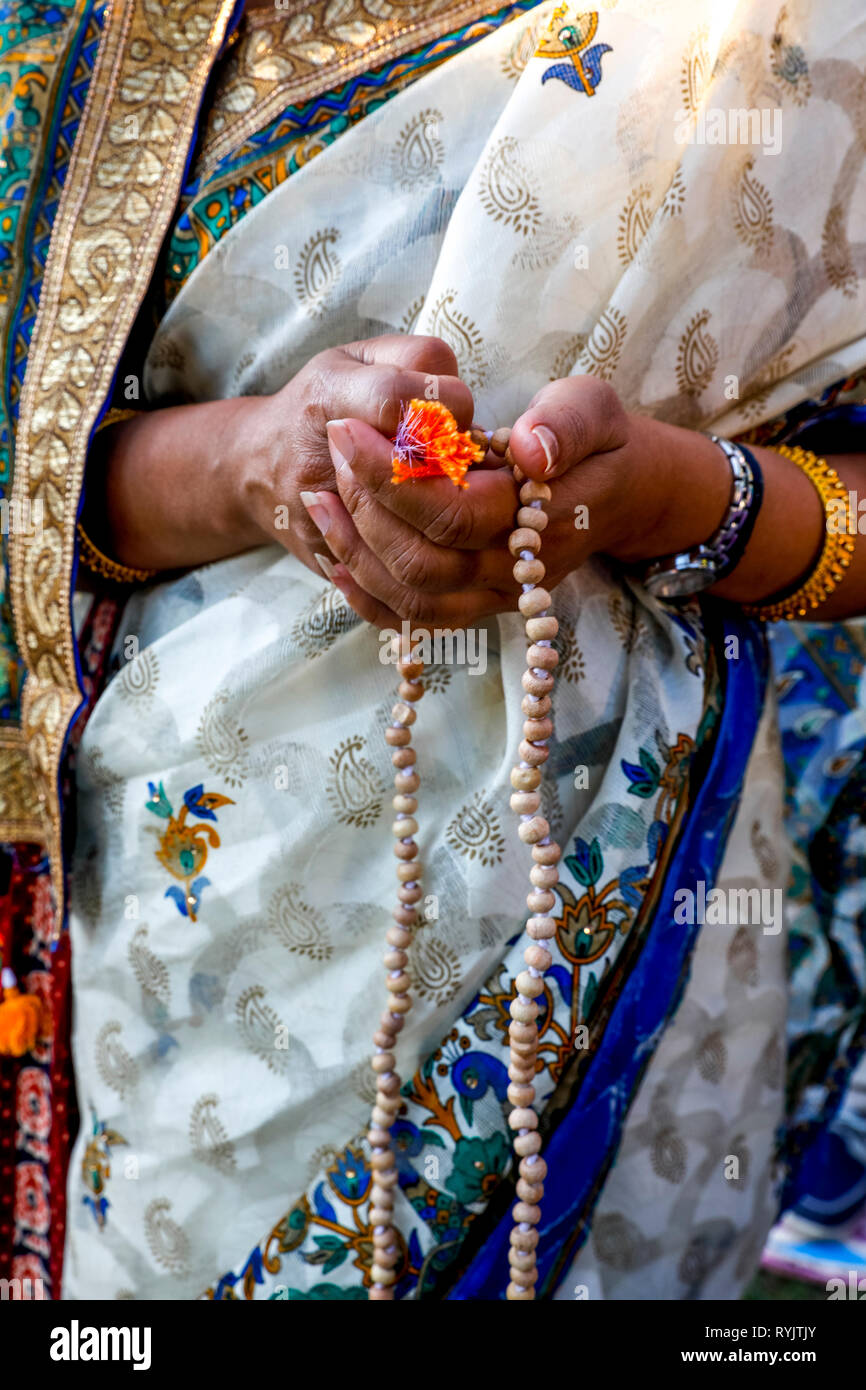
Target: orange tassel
<point>20,1022</point>
<point>428,444</point>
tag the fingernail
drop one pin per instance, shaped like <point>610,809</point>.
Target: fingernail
<point>316,512</point>
<point>341,443</point>
<point>548,441</point>
<point>325,566</point>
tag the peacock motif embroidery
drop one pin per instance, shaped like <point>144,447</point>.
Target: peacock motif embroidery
<point>183,848</point>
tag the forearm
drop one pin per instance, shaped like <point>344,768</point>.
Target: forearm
<point>164,489</point>
<point>790,528</point>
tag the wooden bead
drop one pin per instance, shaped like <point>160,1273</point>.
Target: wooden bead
<point>388,1103</point>
<point>521,1259</point>
<point>537,957</point>
<point>387,1023</point>
<point>535,729</point>
<point>524,539</point>
<point>399,1003</point>
<point>521,1076</point>
<point>533,1169</point>
<point>523,1118</point>
<point>533,602</point>
<point>410,690</point>
<point>384,1038</point>
<point>408,873</point>
<point>524,1054</point>
<point>541,928</point>
<point>377,1295</point>
<point>407,781</point>
<point>389,1085</point>
<point>381,1216</point>
<point>529,571</point>
<point>399,984</point>
<point>543,875</point>
<point>536,685</point>
<point>527,1143</point>
<point>404,757</point>
<point>525,779</point>
<point>382,1162</point>
<point>383,1061</point>
<point>534,492</point>
<point>531,831</point>
<point>547,658</point>
<point>533,753</point>
<point>406,805</point>
<point>547,854</point>
<point>540,902</point>
<point>515,1294</point>
<point>523,1240</point>
<point>408,851</point>
<point>405,916</point>
<point>397,738</point>
<point>530,986</point>
<point>383,1182</point>
<point>525,1278</point>
<point>383,1119</point>
<point>414,895</point>
<point>529,1191</point>
<point>384,1240</point>
<point>533,517</point>
<point>398,936</point>
<point>387,1259</point>
<point>403,713</point>
<point>524,1013</point>
<point>522,1211</point>
<point>404,827</point>
<point>522,1032</point>
<point>525,803</point>
<point>380,1275</point>
<point>479,438</point>
<point>410,668</point>
<point>521,1095</point>
<point>542,629</point>
<point>499,441</point>
<point>536,706</point>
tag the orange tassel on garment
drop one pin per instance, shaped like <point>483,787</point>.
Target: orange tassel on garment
<point>20,1019</point>
<point>428,444</point>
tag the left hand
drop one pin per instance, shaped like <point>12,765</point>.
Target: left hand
<point>437,555</point>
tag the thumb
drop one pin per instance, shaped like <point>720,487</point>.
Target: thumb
<point>565,423</point>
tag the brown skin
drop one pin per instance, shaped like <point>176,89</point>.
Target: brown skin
<point>190,484</point>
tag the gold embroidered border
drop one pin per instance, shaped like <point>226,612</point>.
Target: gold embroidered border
<point>119,195</point>
<point>306,50</point>
<point>18,792</point>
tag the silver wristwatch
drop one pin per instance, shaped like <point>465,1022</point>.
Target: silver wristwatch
<point>691,571</point>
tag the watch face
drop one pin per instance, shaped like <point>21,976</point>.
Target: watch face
<point>680,583</point>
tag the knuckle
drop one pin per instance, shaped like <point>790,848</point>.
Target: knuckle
<point>451,527</point>
<point>434,354</point>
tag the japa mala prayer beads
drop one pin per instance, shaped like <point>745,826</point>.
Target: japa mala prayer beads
<point>428,444</point>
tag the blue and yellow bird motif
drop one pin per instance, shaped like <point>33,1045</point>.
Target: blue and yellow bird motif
<point>582,68</point>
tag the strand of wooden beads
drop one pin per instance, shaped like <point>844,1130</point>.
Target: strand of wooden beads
<point>386,1250</point>
<point>541,661</point>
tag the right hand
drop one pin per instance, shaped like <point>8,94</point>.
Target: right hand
<point>284,436</point>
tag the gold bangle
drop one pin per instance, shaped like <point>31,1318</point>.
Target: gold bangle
<point>835,557</point>
<point>100,564</point>
<point>92,558</point>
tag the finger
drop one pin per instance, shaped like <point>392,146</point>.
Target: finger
<point>362,603</point>
<point>419,352</point>
<point>477,517</point>
<point>378,393</point>
<point>566,422</point>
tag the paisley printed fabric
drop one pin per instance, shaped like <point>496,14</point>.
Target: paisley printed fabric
<point>530,163</point>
